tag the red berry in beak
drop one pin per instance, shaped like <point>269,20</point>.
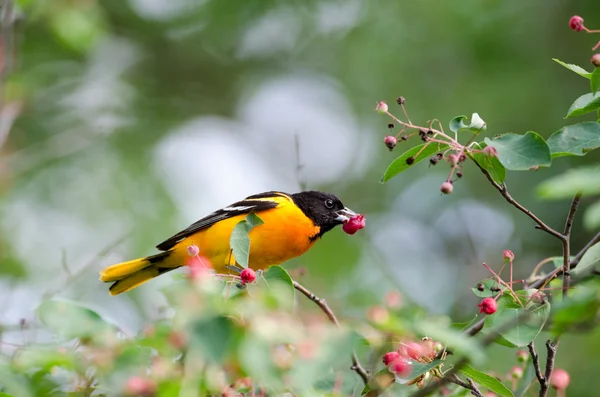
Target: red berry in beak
<point>248,276</point>
<point>354,224</point>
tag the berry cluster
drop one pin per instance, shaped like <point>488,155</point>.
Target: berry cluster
<point>450,150</point>
<point>400,361</point>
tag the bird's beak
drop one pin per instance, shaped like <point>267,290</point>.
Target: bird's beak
<point>345,215</point>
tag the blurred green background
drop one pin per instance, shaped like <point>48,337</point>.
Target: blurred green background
<point>135,118</point>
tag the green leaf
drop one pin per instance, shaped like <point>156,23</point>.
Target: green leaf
<point>487,381</point>
<point>417,370</point>
<point>574,68</point>
<point>45,359</point>
<point>516,325</point>
<point>584,104</point>
<point>488,285</point>
<point>417,153</point>
<point>490,163</point>
<point>589,259</point>
<point>71,320</point>
<point>240,241</point>
<point>476,124</point>
<point>595,80</point>
<point>2,394</point>
<point>591,217</point>
<point>579,312</point>
<point>575,140</point>
<point>279,275</point>
<point>585,180</point>
<point>521,152</point>
<point>213,336</point>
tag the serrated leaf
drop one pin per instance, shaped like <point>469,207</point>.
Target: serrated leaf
<point>240,241</point>
<point>476,125</point>
<point>575,140</point>
<point>71,320</point>
<point>490,163</point>
<point>574,68</point>
<point>419,153</point>
<point>591,217</point>
<point>584,104</point>
<point>521,152</point>
<point>486,381</point>
<point>585,180</point>
<point>589,259</point>
<point>595,80</point>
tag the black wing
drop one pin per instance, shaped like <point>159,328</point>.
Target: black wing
<point>254,203</point>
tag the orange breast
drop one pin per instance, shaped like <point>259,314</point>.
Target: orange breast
<point>285,234</point>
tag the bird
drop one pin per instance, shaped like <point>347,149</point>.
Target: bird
<point>292,224</point>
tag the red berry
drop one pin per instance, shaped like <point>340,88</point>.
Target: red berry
<point>390,142</point>
<point>381,107</point>
<point>446,187</point>
<point>596,60</point>
<point>400,367</point>
<point>247,275</point>
<point>354,224</point>
<point>508,255</point>
<point>560,379</point>
<point>576,23</point>
<point>488,306</point>
<point>390,357</point>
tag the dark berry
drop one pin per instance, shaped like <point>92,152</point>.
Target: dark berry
<point>433,160</point>
<point>430,132</point>
<point>404,137</point>
<point>459,174</point>
<point>410,160</point>
<point>400,100</point>
<point>440,155</point>
<point>390,142</point>
<point>391,125</point>
<point>480,287</point>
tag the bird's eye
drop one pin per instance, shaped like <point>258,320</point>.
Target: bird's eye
<point>329,203</point>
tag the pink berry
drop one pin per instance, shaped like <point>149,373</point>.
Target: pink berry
<point>354,224</point>
<point>414,350</point>
<point>199,267</point>
<point>138,386</point>
<point>508,255</point>
<point>516,372</point>
<point>193,250</point>
<point>560,379</point>
<point>400,367</point>
<point>390,357</point>
<point>576,23</point>
<point>381,107</point>
<point>596,60</point>
<point>446,187</point>
<point>390,142</point>
<point>247,275</point>
<point>488,306</point>
<point>522,356</point>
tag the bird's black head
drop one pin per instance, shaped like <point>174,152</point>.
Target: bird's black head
<point>325,209</point>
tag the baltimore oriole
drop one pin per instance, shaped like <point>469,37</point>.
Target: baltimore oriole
<point>292,225</point>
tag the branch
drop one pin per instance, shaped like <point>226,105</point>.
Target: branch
<point>535,359</point>
<point>356,365</point>
<point>469,385</point>
<point>567,244</point>
<point>504,192</point>
<point>580,254</point>
<point>551,347</point>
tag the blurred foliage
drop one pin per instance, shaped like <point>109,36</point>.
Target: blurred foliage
<point>126,120</point>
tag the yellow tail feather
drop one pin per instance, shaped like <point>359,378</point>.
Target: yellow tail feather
<point>134,280</point>
<point>122,270</point>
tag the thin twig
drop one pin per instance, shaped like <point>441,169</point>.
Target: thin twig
<point>504,192</point>
<point>567,244</point>
<point>469,385</point>
<point>356,365</point>
<point>535,359</point>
